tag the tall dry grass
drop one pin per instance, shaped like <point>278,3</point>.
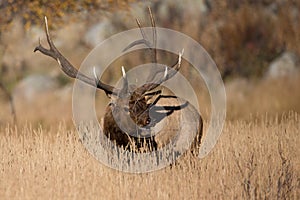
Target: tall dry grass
<point>246,98</point>
<point>252,160</point>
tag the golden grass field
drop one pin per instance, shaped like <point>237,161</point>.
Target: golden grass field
<point>256,157</point>
<point>252,160</point>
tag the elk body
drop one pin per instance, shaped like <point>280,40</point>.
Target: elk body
<point>134,113</point>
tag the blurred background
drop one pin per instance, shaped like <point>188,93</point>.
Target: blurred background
<point>255,44</point>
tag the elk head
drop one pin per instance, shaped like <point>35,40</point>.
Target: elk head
<point>129,111</point>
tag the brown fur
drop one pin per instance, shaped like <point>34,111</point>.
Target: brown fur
<point>170,111</point>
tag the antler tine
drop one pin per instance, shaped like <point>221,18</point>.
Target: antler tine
<point>67,67</point>
<point>154,37</point>
<point>145,41</point>
<point>141,29</point>
<point>124,89</point>
<point>51,45</point>
<point>123,72</point>
<point>96,76</point>
<point>148,86</point>
<point>141,41</point>
<point>174,66</point>
<point>166,72</point>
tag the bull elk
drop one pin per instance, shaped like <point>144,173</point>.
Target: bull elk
<point>134,112</point>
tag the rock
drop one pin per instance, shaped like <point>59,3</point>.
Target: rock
<point>284,65</point>
<point>32,86</point>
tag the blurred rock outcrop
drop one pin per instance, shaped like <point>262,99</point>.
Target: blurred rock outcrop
<point>31,87</point>
<point>284,65</point>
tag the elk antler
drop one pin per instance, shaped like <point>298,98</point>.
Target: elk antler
<point>68,68</point>
<point>151,83</point>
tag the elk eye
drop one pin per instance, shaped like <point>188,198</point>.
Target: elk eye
<point>112,104</point>
<point>148,121</point>
<point>126,109</point>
